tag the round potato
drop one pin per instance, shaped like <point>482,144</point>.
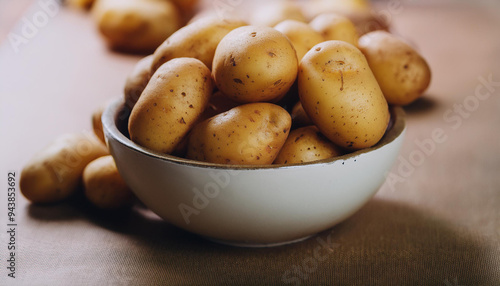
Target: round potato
<point>175,97</point>
<point>402,73</point>
<point>341,95</point>
<point>334,26</point>
<point>54,174</point>
<point>299,116</point>
<point>104,187</point>
<point>197,40</point>
<point>138,26</point>
<point>302,36</point>
<point>249,134</point>
<point>271,13</point>
<point>253,64</point>
<point>306,144</point>
<point>136,81</point>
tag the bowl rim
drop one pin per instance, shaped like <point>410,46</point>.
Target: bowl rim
<point>114,108</point>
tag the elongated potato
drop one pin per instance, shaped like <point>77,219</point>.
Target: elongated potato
<point>104,187</point>
<point>249,134</point>
<point>136,81</point>
<point>302,36</point>
<point>55,173</point>
<point>402,73</point>
<point>197,40</point>
<point>307,144</point>
<point>334,26</point>
<point>341,95</point>
<point>174,99</point>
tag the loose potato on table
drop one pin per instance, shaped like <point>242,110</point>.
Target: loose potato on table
<point>253,64</point>
<point>402,73</point>
<point>136,82</point>
<point>175,97</point>
<point>302,36</point>
<point>307,144</point>
<point>340,94</point>
<point>249,134</point>
<point>138,26</point>
<point>197,40</point>
<point>104,187</point>
<point>334,26</point>
<point>55,173</point>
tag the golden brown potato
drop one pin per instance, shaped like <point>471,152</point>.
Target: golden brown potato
<point>341,95</point>
<point>138,26</point>
<point>104,187</point>
<point>249,134</point>
<point>271,13</point>
<point>306,144</point>
<point>97,123</point>
<point>175,97</point>
<point>402,73</point>
<point>335,27</point>
<point>253,64</point>
<point>197,40</point>
<point>81,4</point>
<point>299,116</point>
<point>54,174</point>
<point>136,81</point>
<point>302,36</point>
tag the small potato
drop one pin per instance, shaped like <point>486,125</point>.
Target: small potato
<point>136,81</point>
<point>271,13</point>
<point>104,187</point>
<point>250,134</point>
<point>306,144</point>
<point>97,123</point>
<point>334,26</point>
<point>302,36</point>
<point>172,102</point>
<point>197,40</point>
<point>253,64</point>
<point>137,26</point>
<point>299,116</point>
<point>54,174</point>
<point>402,73</point>
<point>341,95</point>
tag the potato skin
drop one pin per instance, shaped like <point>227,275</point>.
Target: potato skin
<point>302,36</point>
<point>136,81</point>
<point>197,40</point>
<point>255,64</point>
<point>136,26</point>
<point>104,187</point>
<point>55,172</point>
<point>334,26</point>
<point>402,73</point>
<point>170,105</point>
<point>341,95</point>
<point>307,144</point>
<point>249,134</point>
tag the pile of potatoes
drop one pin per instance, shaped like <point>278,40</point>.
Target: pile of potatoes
<point>286,87</point>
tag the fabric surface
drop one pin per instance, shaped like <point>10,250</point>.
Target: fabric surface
<point>436,224</point>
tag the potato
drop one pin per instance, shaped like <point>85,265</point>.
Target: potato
<point>306,144</point>
<point>186,7</point>
<point>402,73</point>
<point>219,103</point>
<point>273,12</point>
<point>138,26</point>
<point>196,40</point>
<point>335,27</point>
<point>170,105</point>
<point>104,187</point>
<point>302,36</point>
<point>341,95</point>
<point>299,116</point>
<point>97,123</point>
<point>136,81</point>
<point>55,173</point>
<point>81,4</point>
<point>253,64</point>
<point>249,134</point>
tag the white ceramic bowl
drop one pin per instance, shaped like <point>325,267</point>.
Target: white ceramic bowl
<point>248,205</point>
